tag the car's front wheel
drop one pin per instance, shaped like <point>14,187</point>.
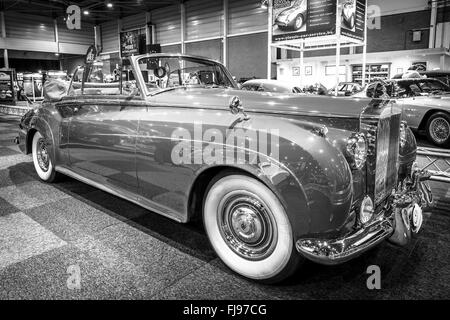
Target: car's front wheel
<point>249,229</point>
<point>438,129</point>
<point>41,159</point>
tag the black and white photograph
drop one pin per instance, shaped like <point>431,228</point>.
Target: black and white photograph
<point>225,158</point>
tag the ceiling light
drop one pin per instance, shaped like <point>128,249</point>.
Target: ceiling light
<point>109,4</point>
<point>85,12</point>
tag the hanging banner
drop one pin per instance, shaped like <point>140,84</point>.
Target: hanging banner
<point>353,18</point>
<point>131,42</point>
<point>299,19</point>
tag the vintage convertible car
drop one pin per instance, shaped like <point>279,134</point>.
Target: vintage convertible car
<point>292,18</point>
<point>277,178</point>
<point>425,103</point>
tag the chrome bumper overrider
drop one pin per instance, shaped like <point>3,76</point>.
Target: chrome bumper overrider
<point>400,218</point>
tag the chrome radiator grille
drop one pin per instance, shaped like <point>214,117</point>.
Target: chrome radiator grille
<point>388,145</point>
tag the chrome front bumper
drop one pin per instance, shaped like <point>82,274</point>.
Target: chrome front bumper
<point>398,221</point>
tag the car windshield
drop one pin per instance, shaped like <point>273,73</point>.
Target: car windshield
<point>420,87</point>
<point>162,74</point>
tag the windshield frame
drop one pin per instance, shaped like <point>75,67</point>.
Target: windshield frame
<point>140,79</point>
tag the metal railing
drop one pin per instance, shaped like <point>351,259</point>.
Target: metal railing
<point>436,162</point>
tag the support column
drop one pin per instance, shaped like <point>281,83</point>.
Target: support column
<point>55,28</point>
<point>119,30</point>
<point>149,38</point>
<point>433,24</point>
<point>98,38</point>
<point>338,46</point>
<point>269,39</point>
<point>302,64</point>
<point>183,27</point>
<point>5,51</point>
<point>364,65</point>
<point>225,33</point>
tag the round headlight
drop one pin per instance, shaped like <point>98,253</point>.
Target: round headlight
<point>367,210</point>
<point>357,151</point>
<point>403,137</point>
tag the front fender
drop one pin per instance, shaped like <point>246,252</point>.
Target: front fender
<point>318,193</point>
<point>43,121</point>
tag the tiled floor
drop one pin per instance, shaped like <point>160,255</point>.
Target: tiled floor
<point>124,251</point>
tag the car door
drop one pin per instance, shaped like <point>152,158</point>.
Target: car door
<point>167,125</point>
<point>102,139</point>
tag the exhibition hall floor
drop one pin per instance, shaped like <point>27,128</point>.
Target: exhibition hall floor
<point>126,252</point>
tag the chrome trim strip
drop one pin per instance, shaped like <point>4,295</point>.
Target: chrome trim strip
<point>124,195</point>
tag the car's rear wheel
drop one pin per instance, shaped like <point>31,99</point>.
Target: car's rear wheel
<point>249,229</point>
<point>41,159</point>
<point>438,129</point>
<point>298,22</point>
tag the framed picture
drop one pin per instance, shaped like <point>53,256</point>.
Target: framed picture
<point>296,71</point>
<point>308,70</point>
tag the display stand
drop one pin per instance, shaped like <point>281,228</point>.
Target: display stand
<point>335,41</point>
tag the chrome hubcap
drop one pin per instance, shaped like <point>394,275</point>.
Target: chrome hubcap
<point>42,155</point>
<point>440,130</point>
<point>247,226</point>
<point>298,22</point>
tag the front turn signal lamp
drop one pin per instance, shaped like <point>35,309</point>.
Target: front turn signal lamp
<point>403,136</point>
<point>356,151</point>
<point>367,210</point>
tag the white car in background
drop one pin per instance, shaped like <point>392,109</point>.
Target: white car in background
<point>265,85</point>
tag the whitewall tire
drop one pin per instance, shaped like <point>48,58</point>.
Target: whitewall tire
<point>41,159</point>
<point>249,229</point>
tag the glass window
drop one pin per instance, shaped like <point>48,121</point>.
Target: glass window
<point>97,79</point>
<point>162,73</point>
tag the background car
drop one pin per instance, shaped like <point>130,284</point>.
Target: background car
<point>264,85</point>
<point>346,89</point>
<point>294,17</point>
<point>425,103</point>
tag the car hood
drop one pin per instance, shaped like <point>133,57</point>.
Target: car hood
<point>265,102</point>
<point>290,11</point>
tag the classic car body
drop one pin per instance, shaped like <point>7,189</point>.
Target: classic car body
<point>425,103</point>
<point>264,85</point>
<point>337,177</point>
<point>294,17</point>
